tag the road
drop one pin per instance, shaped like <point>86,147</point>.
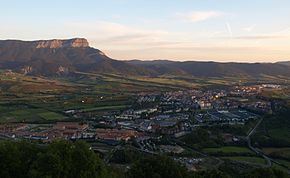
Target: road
<point>268,160</point>
<point>183,144</point>
<point>110,155</point>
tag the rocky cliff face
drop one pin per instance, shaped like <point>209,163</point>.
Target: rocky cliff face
<point>57,57</point>
<point>71,43</point>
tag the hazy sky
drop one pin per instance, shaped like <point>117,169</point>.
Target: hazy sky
<point>220,30</point>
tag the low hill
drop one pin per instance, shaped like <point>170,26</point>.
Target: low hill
<point>214,69</point>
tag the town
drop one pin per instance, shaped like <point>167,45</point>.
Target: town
<point>153,115</point>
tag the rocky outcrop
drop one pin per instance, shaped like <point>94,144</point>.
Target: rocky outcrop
<point>71,43</point>
<point>57,57</point>
<point>27,70</point>
<point>62,70</point>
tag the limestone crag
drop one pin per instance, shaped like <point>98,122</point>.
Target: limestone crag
<point>71,43</point>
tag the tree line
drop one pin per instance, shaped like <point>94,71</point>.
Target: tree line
<point>65,159</point>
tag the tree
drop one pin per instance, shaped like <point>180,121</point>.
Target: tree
<point>65,159</point>
<point>47,165</point>
<point>60,159</point>
<point>10,163</point>
<point>157,167</point>
<point>265,173</point>
<point>210,174</point>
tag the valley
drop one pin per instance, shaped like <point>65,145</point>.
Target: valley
<point>201,115</point>
<point>106,100</point>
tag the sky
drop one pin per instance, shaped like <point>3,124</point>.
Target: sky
<point>199,30</point>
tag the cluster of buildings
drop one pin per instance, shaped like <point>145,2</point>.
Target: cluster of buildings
<point>152,123</point>
<point>246,90</point>
<point>116,134</point>
<point>45,132</point>
<point>64,130</point>
<point>252,90</point>
<point>225,117</point>
<point>192,164</point>
<point>241,96</point>
<point>154,114</point>
<point>177,113</point>
<point>147,98</point>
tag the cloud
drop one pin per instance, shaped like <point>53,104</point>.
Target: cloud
<point>261,37</point>
<point>249,28</point>
<point>229,28</point>
<point>198,16</point>
<point>113,35</point>
<point>123,41</point>
<point>284,31</point>
<point>205,53</point>
<point>130,37</point>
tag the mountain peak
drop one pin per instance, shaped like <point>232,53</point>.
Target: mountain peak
<point>69,43</point>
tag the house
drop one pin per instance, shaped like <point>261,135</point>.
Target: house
<point>115,134</point>
<point>69,129</point>
<point>8,128</point>
<point>205,105</point>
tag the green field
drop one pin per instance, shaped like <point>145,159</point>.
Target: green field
<point>278,152</point>
<point>29,115</point>
<point>272,150</point>
<point>51,116</point>
<point>276,166</point>
<point>48,98</point>
<point>284,162</point>
<point>104,108</point>
<point>274,131</point>
<point>32,99</point>
<point>228,149</point>
<point>255,160</point>
<point>280,133</point>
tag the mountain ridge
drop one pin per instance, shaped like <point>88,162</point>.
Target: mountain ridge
<point>216,69</point>
<point>64,57</point>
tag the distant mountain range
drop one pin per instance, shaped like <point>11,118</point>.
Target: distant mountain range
<point>215,69</point>
<point>287,63</point>
<point>64,57</point>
